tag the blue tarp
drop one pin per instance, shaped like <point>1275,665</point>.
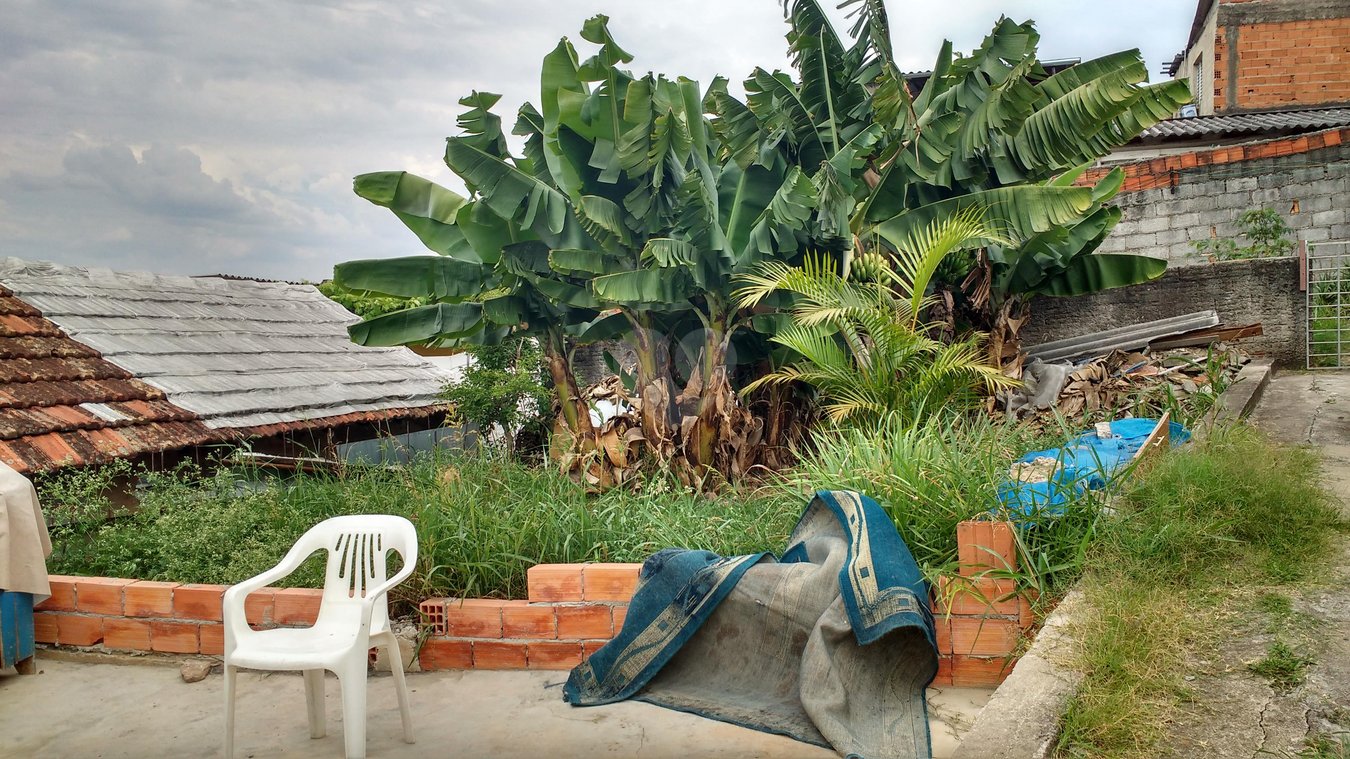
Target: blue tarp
<point>1086,462</point>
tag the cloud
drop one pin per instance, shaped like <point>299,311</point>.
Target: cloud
<point>164,182</point>
<point>192,136</point>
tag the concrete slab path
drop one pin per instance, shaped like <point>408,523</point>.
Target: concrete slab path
<point>87,710</point>
<point>1232,713</point>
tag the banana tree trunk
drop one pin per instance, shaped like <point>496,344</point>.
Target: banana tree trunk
<point>574,410</point>
<point>654,385</point>
<point>721,434</point>
<point>715,400</point>
<point>1005,341</point>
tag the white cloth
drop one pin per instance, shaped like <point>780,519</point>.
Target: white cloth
<point>24,544</point>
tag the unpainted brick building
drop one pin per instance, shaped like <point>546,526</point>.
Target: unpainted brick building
<point>1257,55</point>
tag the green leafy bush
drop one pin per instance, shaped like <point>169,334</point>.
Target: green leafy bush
<point>504,385</point>
<point>1267,231</point>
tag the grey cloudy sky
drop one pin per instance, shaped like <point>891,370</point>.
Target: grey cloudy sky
<point>202,136</point>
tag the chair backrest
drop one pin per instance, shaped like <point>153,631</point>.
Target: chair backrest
<point>358,548</point>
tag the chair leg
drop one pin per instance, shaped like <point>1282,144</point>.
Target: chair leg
<point>314,702</point>
<point>229,710</point>
<point>353,679</point>
<point>400,685</point>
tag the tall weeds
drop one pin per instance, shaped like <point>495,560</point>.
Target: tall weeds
<point>930,477</point>
<point>482,521</point>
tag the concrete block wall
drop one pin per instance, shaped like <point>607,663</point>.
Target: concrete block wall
<point>1170,203</point>
<point>572,610</point>
<point>1242,292</point>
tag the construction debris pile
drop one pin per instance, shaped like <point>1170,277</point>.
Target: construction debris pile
<point>1142,370</point>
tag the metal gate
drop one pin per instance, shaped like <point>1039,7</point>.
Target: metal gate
<point>1328,289</point>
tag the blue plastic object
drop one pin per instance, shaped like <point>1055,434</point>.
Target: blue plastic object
<point>16,627</point>
<point>1086,462</point>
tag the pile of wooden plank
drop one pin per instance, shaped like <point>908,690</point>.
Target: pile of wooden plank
<point>1128,383</point>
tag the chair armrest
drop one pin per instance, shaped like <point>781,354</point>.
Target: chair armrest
<point>380,591</point>
<point>232,603</point>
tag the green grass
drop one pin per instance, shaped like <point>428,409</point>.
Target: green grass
<point>1329,323</point>
<point>1282,666</point>
<point>1327,747</point>
<point>1203,523</point>
<point>929,478</point>
<point>482,521</point>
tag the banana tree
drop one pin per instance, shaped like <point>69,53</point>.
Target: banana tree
<point>481,286</point>
<point>619,220</point>
<point>989,130</point>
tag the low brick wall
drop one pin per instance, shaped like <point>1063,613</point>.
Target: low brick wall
<point>113,614</point>
<point>572,610</point>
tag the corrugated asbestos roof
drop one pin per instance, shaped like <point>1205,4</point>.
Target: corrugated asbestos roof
<point>1241,124</point>
<point>190,360</point>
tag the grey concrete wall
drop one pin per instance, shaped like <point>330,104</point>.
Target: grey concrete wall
<point>1208,200</point>
<point>588,361</point>
<point>1242,292</point>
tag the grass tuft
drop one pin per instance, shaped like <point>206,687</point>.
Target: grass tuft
<point>1282,666</point>
<point>930,477</point>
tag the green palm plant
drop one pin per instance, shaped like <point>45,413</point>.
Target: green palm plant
<point>864,345</point>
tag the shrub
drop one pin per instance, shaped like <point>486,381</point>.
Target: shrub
<point>1267,230</point>
<point>504,387</point>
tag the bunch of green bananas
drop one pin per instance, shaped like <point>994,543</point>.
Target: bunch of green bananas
<point>867,267</point>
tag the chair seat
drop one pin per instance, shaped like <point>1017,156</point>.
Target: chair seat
<point>293,648</point>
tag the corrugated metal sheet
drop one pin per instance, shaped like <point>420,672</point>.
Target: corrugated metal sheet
<point>238,353</point>
<point>1240,124</point>
<point>1131,337</point>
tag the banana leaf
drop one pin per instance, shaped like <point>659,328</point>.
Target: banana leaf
<point>1017,212</point>
<point>433,277</point>
<point>1102,271</point>
<point>425,207</point>
<point>419,325</point>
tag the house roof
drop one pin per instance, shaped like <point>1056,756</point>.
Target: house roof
<point>1198,25</point>
<point>1272,124</point>
<point>167,362</point>
<point>61,403</point>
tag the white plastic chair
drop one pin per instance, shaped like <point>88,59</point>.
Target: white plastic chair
<point>353,617</point>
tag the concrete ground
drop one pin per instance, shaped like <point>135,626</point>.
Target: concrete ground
<point>83,709</point>
<point>1232,713</point>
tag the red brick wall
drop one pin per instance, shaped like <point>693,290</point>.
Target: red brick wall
<point>114,614</point>
<point>572,610</point>
<point>1294,63</point>
<point>1163,172</point>
<point>1281,60</point>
